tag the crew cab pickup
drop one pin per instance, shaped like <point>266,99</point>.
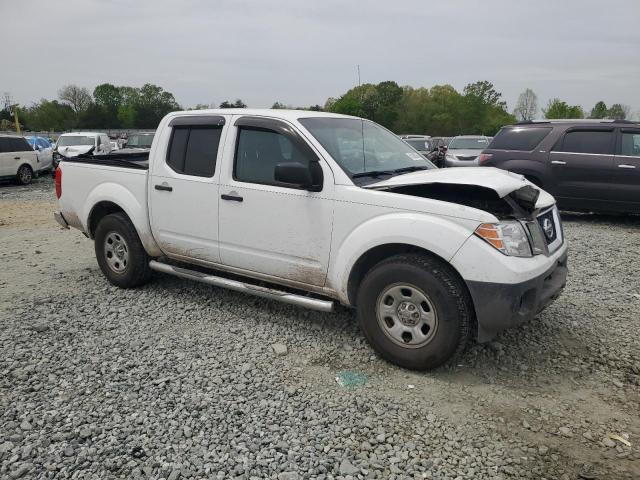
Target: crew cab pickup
<point>315,208</point>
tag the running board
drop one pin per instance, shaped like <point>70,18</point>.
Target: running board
<point>286,297</point>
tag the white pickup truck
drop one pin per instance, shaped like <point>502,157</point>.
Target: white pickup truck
<point>314,208</point>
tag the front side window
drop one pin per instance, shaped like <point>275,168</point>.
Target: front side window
<point>43,143</point>
<point>630,144</point>
<point>523,139</point>
<point>193,150</point>
<point>363,148</point>
<point>258,151</point>
<point>587,141</point>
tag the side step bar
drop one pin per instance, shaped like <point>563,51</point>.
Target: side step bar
<point>286,297</point>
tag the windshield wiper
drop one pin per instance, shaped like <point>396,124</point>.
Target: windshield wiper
<point>413,168</point>
<point>373,173</point>
<point>377,173</point>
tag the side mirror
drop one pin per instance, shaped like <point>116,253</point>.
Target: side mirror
<point>297,175</point>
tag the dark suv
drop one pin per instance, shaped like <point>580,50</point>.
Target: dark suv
<point>585,164</point>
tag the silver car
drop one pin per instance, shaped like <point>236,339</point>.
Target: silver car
<point>464,150</point>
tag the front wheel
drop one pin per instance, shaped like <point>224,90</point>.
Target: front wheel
<point>415,311</point>
<point>119,251</point>
<point>25,175</point>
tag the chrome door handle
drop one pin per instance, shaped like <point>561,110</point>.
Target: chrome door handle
<point>558,162</point>
<point>626,166</point>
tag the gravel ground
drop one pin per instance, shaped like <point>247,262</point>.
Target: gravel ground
<point>179,380</point>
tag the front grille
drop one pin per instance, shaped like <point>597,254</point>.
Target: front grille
<point>549,222</point>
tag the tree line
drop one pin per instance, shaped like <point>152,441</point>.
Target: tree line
<point>439,110</point>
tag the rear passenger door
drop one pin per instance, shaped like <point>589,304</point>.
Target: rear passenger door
<point>626,167</point>
<point>183,194</point>
<point>582,163</point>
<point>6,159</point>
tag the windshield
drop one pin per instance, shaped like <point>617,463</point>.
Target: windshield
<point>75,140</point>
<point>361,146</point>
<point>469,143</point>
<point>419,144</point>
<point>143,140</point>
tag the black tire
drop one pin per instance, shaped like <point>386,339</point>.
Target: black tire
<point>445,294</point>
<point>135,270</point>
<point>24,175</point>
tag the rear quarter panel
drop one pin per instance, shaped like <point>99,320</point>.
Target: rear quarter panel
<point>84,186</point>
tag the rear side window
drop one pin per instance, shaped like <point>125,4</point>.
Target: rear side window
<point>5,146</point>
<point>587,141</point>
<point>18,145</point>
<point>524,139</point>
<point>193,150</point>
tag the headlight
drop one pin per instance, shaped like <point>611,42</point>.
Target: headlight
<point>508,237</point>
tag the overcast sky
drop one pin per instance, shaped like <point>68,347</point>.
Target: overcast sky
<point>301,52</point>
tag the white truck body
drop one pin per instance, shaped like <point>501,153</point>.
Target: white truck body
<point>309,240</point>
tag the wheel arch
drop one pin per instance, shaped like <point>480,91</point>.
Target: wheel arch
<point>112,198</point>
<point>375,255</point>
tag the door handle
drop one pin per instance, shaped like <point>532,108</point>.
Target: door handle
<point>233,198</point>
<point>165,188</point>
<point>622,165</point>
<point>558,162</point>
<point>16,158</point>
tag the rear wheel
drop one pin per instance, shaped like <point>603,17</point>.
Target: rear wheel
<point>415,311</point>
<point>119,251</point>
<point>24,175</point>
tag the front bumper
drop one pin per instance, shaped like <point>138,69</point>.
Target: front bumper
<point>449,162</point>
<point>499,306</point>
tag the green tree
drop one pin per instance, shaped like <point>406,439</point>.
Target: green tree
<point>618,111</point>
<point>152,104</point>
<point>557,109</point>
<point>48,115</point>
<point>237,104</point>
<point>107,99</point>
<point>376,102</point>
<point>485,92</point>
<point>599,110</point>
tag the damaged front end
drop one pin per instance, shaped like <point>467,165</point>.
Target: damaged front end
<point>528,221</point>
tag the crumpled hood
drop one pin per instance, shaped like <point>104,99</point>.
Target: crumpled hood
<point>500,181</point>
<point>74,150</point>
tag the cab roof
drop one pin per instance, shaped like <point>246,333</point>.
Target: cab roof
<point>263,112</point>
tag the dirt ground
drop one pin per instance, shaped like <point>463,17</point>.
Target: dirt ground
<point>561,394</point>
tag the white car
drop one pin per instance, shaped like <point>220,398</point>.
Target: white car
<point>18,160</point>
<point>71,145</point>
<point>464,150</point>
<point>44,151</point>
<point>315,208</point>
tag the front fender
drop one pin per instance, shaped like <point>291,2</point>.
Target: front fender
<point>125,199</point>
<point>439,235</point>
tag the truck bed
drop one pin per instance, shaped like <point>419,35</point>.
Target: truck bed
<point>137,160</point>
